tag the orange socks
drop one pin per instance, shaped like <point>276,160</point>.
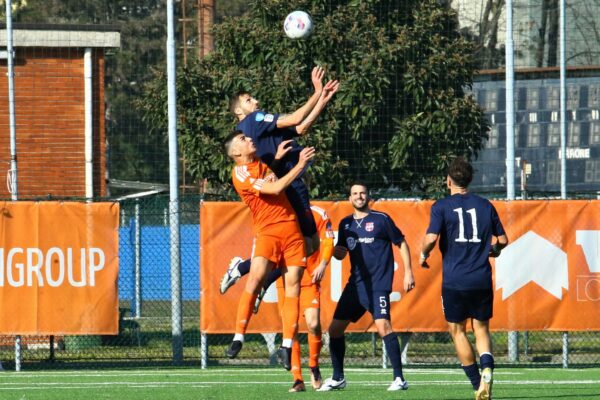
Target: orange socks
<point>314,349</point>
<point>291,311</point>
<point>296,361</point>
<point>244,311</point>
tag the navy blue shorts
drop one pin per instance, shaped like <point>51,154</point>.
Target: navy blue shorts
<point>459,305</point>
<point>297,194</point>
<point>354,302</point>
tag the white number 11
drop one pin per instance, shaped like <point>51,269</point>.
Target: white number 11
<point>461,231</point>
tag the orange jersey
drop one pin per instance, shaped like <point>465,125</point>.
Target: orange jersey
<point>267,209</point>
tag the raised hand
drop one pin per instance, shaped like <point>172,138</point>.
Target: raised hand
<point>331,87</point>
<point>317,78</point>
<point>283,148</point>
<point>306,154</point>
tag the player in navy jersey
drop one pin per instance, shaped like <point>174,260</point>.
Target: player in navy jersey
<point>368,236</point>
<point>269,130</point>
<point>465,224</point>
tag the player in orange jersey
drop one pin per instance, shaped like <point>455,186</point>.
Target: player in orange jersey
<point>278,236</point>
<point>310,303</point>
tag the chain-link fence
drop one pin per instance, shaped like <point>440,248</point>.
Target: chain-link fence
<point>145,333</point>
<point>137,153</point>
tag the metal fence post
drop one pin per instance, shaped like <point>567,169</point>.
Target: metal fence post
<point>513,346</point>
<point>565,350</point>
<point>137,273</point>
<point>203,351</point>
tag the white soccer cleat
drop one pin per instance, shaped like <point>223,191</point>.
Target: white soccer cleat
<point>232,275</point>
<point>331,384</point>
<point>398,384</point>
<point>485,387</point>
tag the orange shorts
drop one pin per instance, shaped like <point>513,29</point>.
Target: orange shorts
<point>310,296</point>
<point>281,243</point>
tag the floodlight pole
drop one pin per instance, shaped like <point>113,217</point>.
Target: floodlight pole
<point>513,336</point>
<point>12,175</point>
<point>563,136</point>
<point>176,309</point>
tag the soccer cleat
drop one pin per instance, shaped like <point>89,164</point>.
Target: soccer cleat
<point>232,275</point>
<point>259,300</point>
<point>297,387</point>
<point>234,349</point>
<point>315,378</point>
<point>331,384</point>
<point>398,384</point>
<point>485,387</point>
<point>285,357</point>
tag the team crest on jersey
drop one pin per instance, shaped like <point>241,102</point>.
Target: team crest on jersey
<point>259,117</point>
<point>351,242</point>
<point>369,226</point>
<point>269,118</point>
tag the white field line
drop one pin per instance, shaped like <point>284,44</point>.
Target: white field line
<point>12,386</point>
<point>216,371</point>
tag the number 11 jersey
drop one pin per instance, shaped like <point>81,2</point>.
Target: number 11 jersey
<point>466,224</point>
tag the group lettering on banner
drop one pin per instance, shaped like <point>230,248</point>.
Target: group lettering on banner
<point>552,264</point>
<point>59,268</point>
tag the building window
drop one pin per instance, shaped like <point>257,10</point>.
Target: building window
<point>553,135</point>
<point>533,99</point>
<point>492,141</point>
<point>572,97</point>
<point>553,98</point>
<point>595,132</point>
<point>533,139</point>
<point>552,172</point>
<point>592,171</point>
<point>491,100</point>
<point>574,134</point>
<point>594,96</point>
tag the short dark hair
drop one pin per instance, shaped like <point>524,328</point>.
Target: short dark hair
<point>229,139</point>
<point>234,101</point>
<point>461,172</point>
<point>359,183</point>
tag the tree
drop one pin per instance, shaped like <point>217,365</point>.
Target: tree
<point>401,114</point>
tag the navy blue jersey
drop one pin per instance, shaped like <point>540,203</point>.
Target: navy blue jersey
<point>369,241</point>
<point>262,129</point>
<point>466,224</point>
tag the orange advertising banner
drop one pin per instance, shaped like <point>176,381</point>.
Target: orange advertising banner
<point>548,278</point>
<point>58,268</point>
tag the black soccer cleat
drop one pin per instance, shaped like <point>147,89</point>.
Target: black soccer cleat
<point>285,357</point>
<point>234,349</point>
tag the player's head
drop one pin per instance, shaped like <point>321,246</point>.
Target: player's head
<point>460,173</point>
<point>359,196</point>
<point>239,147</point>
<point>242,104</point>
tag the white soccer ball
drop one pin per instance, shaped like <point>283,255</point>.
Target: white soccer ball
<point>298,25</point>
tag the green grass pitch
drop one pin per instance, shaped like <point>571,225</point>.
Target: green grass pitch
<point>273,383</point>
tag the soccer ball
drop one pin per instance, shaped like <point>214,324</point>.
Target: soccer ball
<point>298,25</point>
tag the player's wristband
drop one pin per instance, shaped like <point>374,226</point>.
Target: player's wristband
<point>496,249</point>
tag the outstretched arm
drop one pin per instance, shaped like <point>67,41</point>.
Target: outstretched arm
<point>328,91</point>
<point>295,118</point>
<point>282,183</point>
